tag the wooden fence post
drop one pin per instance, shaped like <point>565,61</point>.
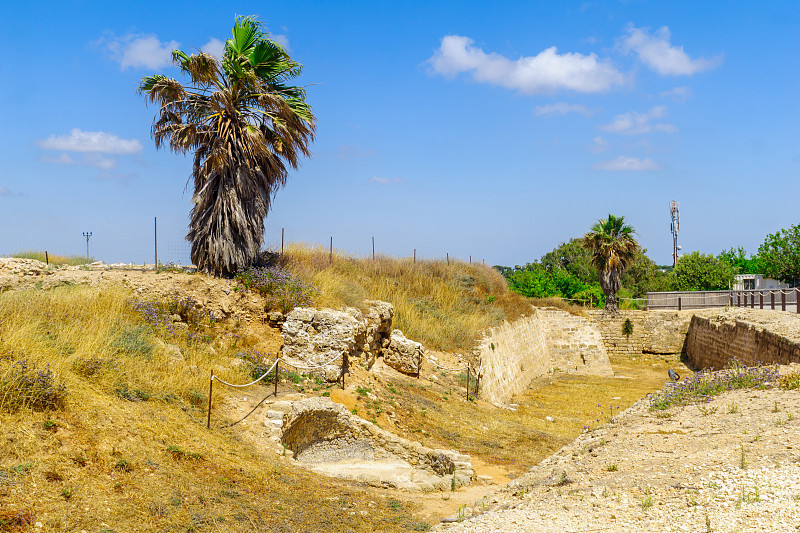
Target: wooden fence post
<point>155,241</point>
<point>282,229</point>
<point>468,374</point>
<point>331,253</point>
<point>679,303</point>
<point>761,300</point>
<point>373,248</point>
<point>797,301</point>
<point>772,300</point>
<point>210,392</point>
<point>783,301</point>
<point>46,258</point>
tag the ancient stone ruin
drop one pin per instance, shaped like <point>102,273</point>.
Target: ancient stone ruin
<point>334,338</point>
<point>328,438</point>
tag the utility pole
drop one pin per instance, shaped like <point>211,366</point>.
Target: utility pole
<point>87,234</point>
<point>675,226</point>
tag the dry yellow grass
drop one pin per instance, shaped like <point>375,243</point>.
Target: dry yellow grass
<point>54,259</point>
<point>106,463</point>
<point>437,413</point>
<point>444,306</point>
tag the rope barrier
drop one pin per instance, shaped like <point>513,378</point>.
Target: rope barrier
<point>213,377</point>
<point>278,360</point>
<point>315,367</point>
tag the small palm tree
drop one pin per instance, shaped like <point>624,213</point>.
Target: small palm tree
<point>613,249</point>
<point>245,125</point>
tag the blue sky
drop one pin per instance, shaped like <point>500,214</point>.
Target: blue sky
<point>490,129</point>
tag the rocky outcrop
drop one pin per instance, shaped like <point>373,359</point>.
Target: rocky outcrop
<point>402,354</point>
<point>332,338</point>
<point>324,434</point>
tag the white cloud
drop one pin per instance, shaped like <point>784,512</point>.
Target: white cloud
<point>562,108</point>
<point>90,141</point>
<point>281,39</point>
<point>62,159</point>
<point>385,181</point>
<point>634,123</point>
<point>215,47</point>
<point>137,50</point>
<point>599,145</point>
<point>656,52</point>
<point>625,163</point>
<point>679,94</point>
<point>547,71</point>
<point>88,159</point>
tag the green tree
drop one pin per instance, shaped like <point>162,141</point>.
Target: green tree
<point>701,272</point>
<point>780,255</point>
<point>245,124</point>
<point>742,264</point>
<point>644,276</point>
<point>613,249</point>
<point>573,257</point>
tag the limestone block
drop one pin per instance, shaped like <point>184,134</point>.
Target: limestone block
<point>402,354</point>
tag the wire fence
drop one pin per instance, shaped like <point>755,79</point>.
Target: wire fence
<point>144,242</point>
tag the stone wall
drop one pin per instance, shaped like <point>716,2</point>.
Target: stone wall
<point>535,345</point>
<point>657,332</point>
<point>749,335</point>
<point>520,354</point>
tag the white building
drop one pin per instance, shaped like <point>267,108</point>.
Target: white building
<point>749,282</point>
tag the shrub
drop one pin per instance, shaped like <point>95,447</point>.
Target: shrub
<point>91,367</point>
<point>160,314</point>
<point>278,286</point>
<point>133,340</point>
<point>25,386</point>
<point>791,381</point>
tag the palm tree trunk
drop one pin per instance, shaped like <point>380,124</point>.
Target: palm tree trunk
<point>610,283</point>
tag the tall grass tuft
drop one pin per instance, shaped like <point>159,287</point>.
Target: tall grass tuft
<point>444,306</point>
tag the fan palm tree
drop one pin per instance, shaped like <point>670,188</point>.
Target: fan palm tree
<point>613,249</point>
<point>246,125</point>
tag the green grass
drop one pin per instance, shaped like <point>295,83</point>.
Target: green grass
<point>54,259</point>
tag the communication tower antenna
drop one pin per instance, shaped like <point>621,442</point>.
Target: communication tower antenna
<point>674,227</point>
